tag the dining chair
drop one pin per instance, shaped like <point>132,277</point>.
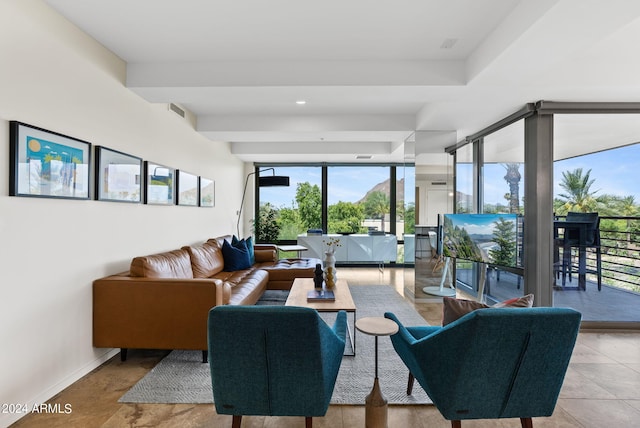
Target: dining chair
<point>571,240</point>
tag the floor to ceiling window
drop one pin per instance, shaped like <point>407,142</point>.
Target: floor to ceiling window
<point>286,212</point>
<point>338,198</point>
<point>464,184</point>
<point>596,162</point>
<point>497,188</point>
<point>406,214</point>
<point>503,193</point>
<point>359,199</point>
<point>584,159</point>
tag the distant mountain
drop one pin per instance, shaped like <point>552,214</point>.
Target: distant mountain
<point>385,187</point>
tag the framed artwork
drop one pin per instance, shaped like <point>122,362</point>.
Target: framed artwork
<point>118,176</point>
<point>207,192</point>
<point>47,164</point>
<point>159,188</point>
<point>187,185</point>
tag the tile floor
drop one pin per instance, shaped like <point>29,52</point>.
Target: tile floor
<point>601,390</point>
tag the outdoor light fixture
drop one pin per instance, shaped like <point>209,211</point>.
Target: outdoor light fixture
<point>266,181</point>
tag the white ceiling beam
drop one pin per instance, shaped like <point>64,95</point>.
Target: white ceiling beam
<point>294,73</point>
<point>545,36</point>
<point>520,20</point>
<point>334,147</point>
<point>306,123</point>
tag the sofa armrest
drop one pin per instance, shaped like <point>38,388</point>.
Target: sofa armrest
<point>166,313</point>
<point>265,253</point>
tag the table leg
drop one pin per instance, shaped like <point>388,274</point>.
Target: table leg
<point>375,403</point>
<point>352,334</point>
<point>582,259</point>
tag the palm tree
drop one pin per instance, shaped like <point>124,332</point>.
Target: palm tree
<point>513,178</point>
<point>376,206</point>
<point>578,196</point>
<point>628,208</point>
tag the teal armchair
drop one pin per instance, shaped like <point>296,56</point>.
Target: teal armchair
<point>492,363</point>
<point>273,360</point>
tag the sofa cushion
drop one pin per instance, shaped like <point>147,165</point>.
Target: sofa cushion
<point>220,239</point>
<point>452,308</point>
<point>235,258</point>
<point>206,259</point>
<point>172,264</point>
<point>285,269</point>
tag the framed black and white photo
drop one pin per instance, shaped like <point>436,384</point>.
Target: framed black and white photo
<point>47,164</point>
<point>118,176</point>
<point>207,192</point>
<point>159,184</point>
<point>187,185</point>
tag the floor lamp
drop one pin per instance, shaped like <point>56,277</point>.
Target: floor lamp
<point>266,181</point>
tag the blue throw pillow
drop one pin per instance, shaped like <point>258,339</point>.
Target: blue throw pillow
<point>252,255</point>
<point>245,243</point>
<point>235,258</point>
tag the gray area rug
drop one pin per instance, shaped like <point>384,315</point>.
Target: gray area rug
<point>181,377</point>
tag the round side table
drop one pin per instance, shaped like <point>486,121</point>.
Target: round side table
<point>375,403</point>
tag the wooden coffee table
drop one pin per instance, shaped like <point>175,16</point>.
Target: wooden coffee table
<point>343,302</point>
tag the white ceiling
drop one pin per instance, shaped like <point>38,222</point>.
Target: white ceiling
<point>371,73</point>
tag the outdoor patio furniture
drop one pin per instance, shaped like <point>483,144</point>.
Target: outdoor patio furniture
<point>581,231</point>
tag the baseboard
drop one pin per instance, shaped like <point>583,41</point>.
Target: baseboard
<point>50,392</point>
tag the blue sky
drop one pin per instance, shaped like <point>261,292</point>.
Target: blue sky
<point>616,172</point>
<point>347,184</point>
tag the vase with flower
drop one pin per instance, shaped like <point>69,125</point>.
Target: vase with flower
<point>329,261</point>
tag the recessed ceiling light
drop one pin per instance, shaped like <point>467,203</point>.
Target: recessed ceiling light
<point>301,102</point>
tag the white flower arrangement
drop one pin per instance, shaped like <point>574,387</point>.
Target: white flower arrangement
<point>332,244</point>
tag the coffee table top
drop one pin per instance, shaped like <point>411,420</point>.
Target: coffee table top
<point>301,286</point>
<point>377,326</point>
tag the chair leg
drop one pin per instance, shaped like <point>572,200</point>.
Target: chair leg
<point>205,357</point>
<point>237,420</point>
<point>308,422</point>
<point>410,384</point>
<point>123,354</point>
<point>599,267</point>
<point>456,424</point>
<point>526,422</point>
<point>566,263</point>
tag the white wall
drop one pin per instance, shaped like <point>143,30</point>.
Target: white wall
<point>54,76</point>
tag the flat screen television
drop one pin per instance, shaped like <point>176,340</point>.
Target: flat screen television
<point>494,239</point>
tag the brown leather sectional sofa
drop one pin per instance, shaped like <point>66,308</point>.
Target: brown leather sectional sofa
<point>163,301</point>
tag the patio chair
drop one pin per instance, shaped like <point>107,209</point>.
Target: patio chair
<point>571,240</point>
<point>273,360</point>
<point>491,363</point>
